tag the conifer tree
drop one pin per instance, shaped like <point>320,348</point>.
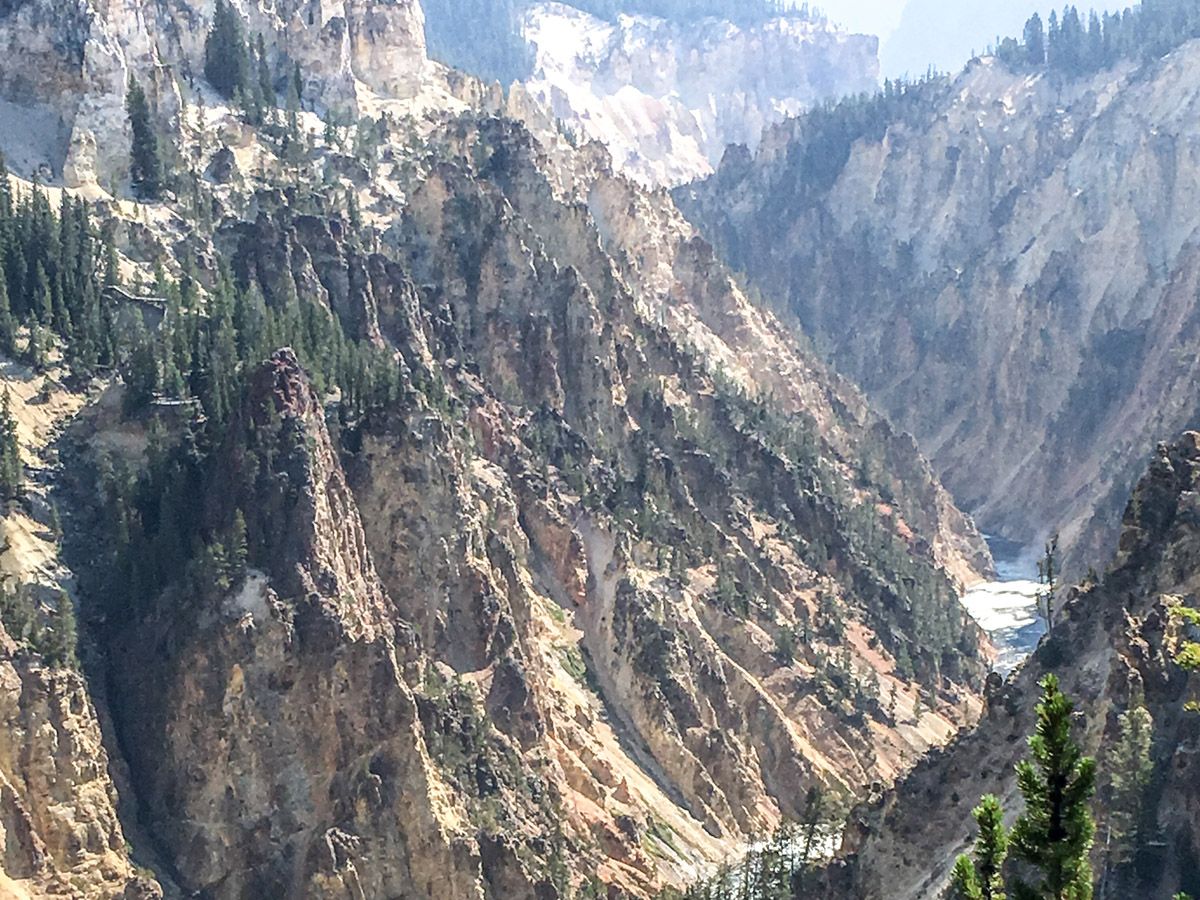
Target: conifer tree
<point>1187,652</point>
<point>11,472</point>
<point>1054,834</point>
<point>8,325</point>
<point>964,881</point>
<point>1048,577</point>
<point>266,84</point>
<point>58,639</point>
<point>982,878</point>
<point>226,57</point>
<point>145,170</point>
<point>1131,767</point>
<point>1035,41</point>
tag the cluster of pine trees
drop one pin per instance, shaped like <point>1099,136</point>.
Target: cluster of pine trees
<point>1050,844</point>
<point>198,360</point>
<point>781,866</point>
<point>239,68</point>
<point>1068,42</point>
<point>1046,855</point>
<point>53,270</point>
<point>51,634</point>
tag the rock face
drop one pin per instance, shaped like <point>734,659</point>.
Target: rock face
<point>59,828</point>
<point>270,731</point>
<point>59,831</point>
<point>72,61</point>
<point>1005,264</point>
<point>666,98</point>
<point>1114,643</point>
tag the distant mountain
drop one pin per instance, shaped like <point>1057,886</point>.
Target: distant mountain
<point>668,95</point>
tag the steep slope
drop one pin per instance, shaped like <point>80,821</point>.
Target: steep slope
<point>1005,263</point>
<point>267,722</point>
<point>543,557</point>
<point>1113,644</point>
<point>69,64</point>
<point>59,828</point>
<point>667,97</point>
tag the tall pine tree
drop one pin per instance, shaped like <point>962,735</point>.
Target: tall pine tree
<point>226,56</point>
<point>1131,766</point>
<point>11,471</point>
<point>1053,836</point>
<point>145,170</point>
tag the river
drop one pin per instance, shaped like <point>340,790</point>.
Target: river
<point>1007,608</point>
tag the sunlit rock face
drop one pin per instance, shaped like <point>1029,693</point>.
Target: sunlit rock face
<point>67,66</point>
<point>1007,266</point>
<point>667,98</point>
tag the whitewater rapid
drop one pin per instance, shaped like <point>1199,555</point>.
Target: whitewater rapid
<point>1007,608</point>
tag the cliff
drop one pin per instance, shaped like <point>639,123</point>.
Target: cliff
<point>666,98</point>
<point>1004,262</point>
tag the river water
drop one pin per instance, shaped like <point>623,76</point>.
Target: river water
<point>1007,608</point>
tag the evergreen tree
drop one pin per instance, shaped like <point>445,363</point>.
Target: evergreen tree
<point>964,881</point>
<point>8,325</point>
<point>1187,652</point>
<point>58,640</point>
<point>11,470</point>
<point>1054,834</point>
<point>1131,767</point>
<point>226,57</point>
<point>982,878</point>
<point>1035,41</point>
<point>266,84</point>
<point>145,170</point>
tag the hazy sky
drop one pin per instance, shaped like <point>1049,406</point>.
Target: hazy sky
<point>916,33</point>
<point>867,16</point>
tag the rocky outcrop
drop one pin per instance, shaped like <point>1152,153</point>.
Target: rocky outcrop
<point>72,62</point>
<point>59,832</point>
<point>271,731</point>
<point>666,98</point>
<point>1004,262</point>
<point>1112,647</point>
<point>656,562</point>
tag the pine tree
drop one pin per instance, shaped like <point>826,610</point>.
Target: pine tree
<point>964,881</point>
<point>983,879</point>
<point>266,84</point>
<point>8,325</point>
<point>58,640</point>
<point>239,551</point>
<point>1035,41</point>
<point>1132,768</point>
<point>226,57</point>
<point>1187,652</point>
<point>1048,577</point>
<point>145,170</point>
<point>11,471</point>
<point>1054,834</point>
